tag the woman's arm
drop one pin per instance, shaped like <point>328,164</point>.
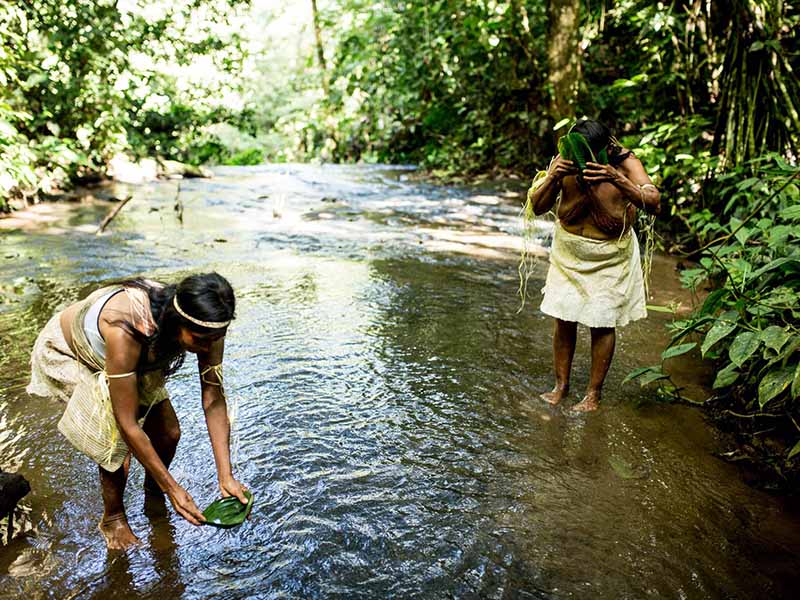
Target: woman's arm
<point>216,411</point>
<point>543,196</point>
<point>631,179</point>
<point>122,356</point>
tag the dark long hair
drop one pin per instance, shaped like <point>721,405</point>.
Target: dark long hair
<point>599,136</point>
<point>204,296</point>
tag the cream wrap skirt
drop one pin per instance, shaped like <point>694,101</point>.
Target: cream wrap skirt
<point>88,421</point>
<point>597,283</point>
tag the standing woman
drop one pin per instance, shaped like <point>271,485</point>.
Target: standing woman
<point>595,276</point>
<point>108,355</point>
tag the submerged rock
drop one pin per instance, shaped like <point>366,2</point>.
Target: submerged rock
<point>13,488</point>
<point>126,170</point>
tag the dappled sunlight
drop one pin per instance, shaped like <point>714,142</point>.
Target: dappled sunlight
<point>365,174</point>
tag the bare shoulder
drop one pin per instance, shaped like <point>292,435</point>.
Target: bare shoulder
<point>117,308</point>
<point>633,167</point>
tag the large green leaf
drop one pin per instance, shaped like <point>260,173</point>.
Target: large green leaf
<point>690,326</point>
<point>725,324</point>
<point>775,337</point>
<point>228,512</point>
<point>742,235</point>
<point>655,374</point>
<point>796,382</point>
<point>791,213</point>
<point>775,264</point>
<point>636,373</point>
<point>773,384</point>
<point>726,377</point>
<point>793,452</point>
<point>661,309</point>
<point>677,350</point>
<point>743,347</point>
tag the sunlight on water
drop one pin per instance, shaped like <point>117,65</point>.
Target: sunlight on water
<point>385,415</point>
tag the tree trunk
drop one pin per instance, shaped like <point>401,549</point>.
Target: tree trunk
<point>320,52</point>
<point>563,56</point>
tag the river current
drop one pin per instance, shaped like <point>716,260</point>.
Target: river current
<point>386,415</point>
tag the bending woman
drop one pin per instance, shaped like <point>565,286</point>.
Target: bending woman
<point>108,355</point>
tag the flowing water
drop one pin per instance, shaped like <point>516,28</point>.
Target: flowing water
<point>387,415</point>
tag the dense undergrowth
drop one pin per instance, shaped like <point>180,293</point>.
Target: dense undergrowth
<point>82,81</point>
<point>749,322</point>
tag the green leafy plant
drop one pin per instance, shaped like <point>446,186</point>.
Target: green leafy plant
<point>749,323</point>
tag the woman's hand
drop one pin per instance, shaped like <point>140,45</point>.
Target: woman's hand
<point>595,173</point>
<point>560,168</point>
<point>184,505</point>
<point>230,487</point>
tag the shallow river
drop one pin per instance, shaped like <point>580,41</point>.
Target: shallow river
<point>385,391</point>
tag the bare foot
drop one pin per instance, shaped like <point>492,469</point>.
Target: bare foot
<point>117,532</point>
<point>556,396</point>
<point>590,402</point>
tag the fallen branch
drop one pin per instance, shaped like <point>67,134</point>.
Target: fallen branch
<point>179,204</point>
<point>112,214</point>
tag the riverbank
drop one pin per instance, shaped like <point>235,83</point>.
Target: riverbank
<point>20,207</point>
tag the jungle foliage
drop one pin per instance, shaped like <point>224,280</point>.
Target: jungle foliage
<point>705,92</point>
<point>81,80</point>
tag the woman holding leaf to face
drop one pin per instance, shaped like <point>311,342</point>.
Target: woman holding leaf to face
<point>594,186</point>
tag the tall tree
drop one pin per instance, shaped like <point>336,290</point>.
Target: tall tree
<point>320,50</point>
<point>563,56</point>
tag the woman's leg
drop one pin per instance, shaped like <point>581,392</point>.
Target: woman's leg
<point>114,524</point>
<point>164,431</point>
<point>564,337</point>
<point>604,340</point>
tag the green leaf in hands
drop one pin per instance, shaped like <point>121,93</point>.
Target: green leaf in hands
<point>228,512</point>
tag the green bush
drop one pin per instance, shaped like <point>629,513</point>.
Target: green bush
<point>251,156</point>
<point>749,324</point>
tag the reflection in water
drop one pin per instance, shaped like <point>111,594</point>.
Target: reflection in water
<point>385,389</point>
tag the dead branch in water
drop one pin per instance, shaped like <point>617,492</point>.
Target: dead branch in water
<point>112,214</point>
<point>179,204</point>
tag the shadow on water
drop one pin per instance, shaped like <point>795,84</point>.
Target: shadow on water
<point>386,416</point>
